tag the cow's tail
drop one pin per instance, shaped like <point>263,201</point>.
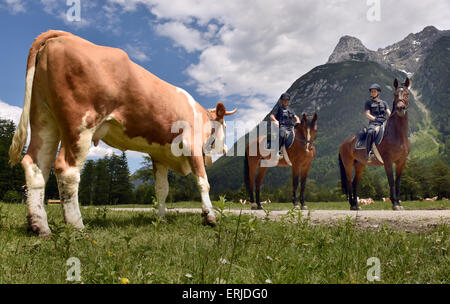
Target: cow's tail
<point>21,134</point>
<point>344,181</point>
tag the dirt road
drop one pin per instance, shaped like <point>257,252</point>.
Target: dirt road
<point>407,220</point>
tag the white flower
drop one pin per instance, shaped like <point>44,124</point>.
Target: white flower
<point>269,258</point>
<point>223,260</point>
<point>268,281</point>
<point>188,275</point>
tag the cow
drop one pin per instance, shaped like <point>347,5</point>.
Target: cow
<point>77,92</point>
<point>365,201</point>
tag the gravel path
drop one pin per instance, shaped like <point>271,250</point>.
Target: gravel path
<point>407,220</point>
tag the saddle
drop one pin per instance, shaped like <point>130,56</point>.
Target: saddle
<point>288,139</point>
<point>361,137</point>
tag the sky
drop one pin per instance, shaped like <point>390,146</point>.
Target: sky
<point>243,53</point>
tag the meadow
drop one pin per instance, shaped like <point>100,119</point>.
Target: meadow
<point>138,247</point>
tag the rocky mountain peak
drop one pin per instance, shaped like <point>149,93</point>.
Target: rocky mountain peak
<point>349,48</point>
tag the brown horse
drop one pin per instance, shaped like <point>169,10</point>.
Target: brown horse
<point>394,148</point>
<point>300,155</point>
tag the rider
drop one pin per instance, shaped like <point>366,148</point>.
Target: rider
<point>282,116</point>
<point>377,111</point>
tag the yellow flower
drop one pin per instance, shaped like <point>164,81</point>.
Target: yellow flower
<point>109,253</point>
<point>94,242</point>
<point>125,281</point>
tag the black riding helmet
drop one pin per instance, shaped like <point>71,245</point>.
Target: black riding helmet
<point>285,96</point>
<point>375,86</point>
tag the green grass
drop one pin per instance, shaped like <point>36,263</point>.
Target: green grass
<point>378,205</point>
<point>143,249</point>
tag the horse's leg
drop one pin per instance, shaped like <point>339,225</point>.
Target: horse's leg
<point>399,166</point>
<point>390,176</point>
<point>252,167</point>
<point>304,175</point>
<point>348,167</point>
<point>259,179</point>
<point>359,170</point>
<point>295,175</point>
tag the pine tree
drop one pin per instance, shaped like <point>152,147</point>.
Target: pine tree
<point>87,183</point>
<point>11,179</point>
<point>101,182</point>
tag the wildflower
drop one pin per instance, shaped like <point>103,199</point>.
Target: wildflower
<point>268,281</point>
<point>125,281</point>
<point>188,275</point>
<point>223,260</point>
<point>109,253</point>
<point>269,258</point>
<point>94,242</point>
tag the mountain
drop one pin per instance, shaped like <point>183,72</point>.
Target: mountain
<point>338,89</point>
<point>406,55</point>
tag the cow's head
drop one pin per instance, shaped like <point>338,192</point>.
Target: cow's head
<point>218,128</point>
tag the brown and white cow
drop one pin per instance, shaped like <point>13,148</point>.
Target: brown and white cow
<point>78,92</point>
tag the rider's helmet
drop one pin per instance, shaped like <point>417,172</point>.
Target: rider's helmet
<point>375,86</point>
<point>285,96</point>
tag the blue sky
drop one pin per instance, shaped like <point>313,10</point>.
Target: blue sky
<point>244,53</point>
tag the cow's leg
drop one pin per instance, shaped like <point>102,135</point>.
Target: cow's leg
<point>68,165</point>
<point>198,168</point>
<point>161,187</point>
<point>252,167</point>
<point>37,163</point>
<point>259,179</point>
<point>304,175</point>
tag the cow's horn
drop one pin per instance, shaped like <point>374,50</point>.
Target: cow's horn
<point>231,112</point>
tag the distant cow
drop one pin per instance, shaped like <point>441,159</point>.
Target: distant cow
<point>365,201</point>
<point>386,199</point>
<point>431,199</point>
<point>76,93</point>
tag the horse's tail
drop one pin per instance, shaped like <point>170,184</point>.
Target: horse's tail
<point>246,172</point>
<point>21,134</point>
<point>344,181</point>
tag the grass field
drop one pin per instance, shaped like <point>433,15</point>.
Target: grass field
<point>120,246</point>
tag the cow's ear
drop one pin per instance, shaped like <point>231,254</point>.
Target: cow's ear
<point>220,110</point>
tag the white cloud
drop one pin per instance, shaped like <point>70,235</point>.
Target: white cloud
<point>15,6</point>
<point>137,53</point>
<point>10,112</point>
<point>190,39</point>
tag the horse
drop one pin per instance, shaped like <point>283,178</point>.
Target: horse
<point>300,155</point>
<point>393,149</point>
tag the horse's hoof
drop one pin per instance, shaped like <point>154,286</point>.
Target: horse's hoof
<point>355,208</point>
<point>209,220</point>
<point>397,207</point>
<point>256,207</point>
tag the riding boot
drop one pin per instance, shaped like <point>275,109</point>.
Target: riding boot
<point>369,141</point>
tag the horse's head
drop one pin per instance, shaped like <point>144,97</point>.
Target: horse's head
<point>401,97</point>
<point>307,130</point>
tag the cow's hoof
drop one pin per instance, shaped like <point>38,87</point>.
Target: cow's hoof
<point>355,208</point>
<point>304,207</point>
<point>38,228</point>
<point>397,207</point>
<point>208,219</point>
<point>297,207</point>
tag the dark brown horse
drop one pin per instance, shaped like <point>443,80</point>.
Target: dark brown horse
<point>393,149</point>
<point>300,155</point>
